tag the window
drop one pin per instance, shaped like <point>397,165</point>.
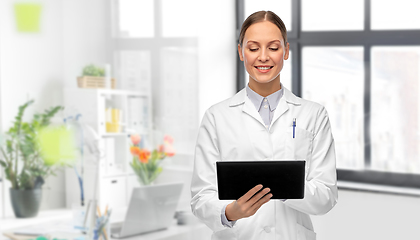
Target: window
<point>317,15</point>
<point>395,97</point>
<point>130,14</point>
<point>179,23</point>
<point>391,15</point>
<point>370,65</point>
<point>341,69</point>
<point>155,51</point>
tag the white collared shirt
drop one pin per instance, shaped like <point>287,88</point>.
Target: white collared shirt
<point>265,105</point>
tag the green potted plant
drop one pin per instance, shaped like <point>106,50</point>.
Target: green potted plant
<point>93,71</point>
<point>94,77</point>
<point>22,161</point>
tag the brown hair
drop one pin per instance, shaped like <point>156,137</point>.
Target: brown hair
<point>260,17</point>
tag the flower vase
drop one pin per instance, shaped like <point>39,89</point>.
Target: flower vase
<point>145,183</point>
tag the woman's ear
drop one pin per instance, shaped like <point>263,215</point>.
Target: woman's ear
<point>240,53</point>
<point>286,51</point>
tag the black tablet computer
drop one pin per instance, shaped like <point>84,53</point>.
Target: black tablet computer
<point>286,179</point>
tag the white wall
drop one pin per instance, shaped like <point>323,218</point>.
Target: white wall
<point>31,62</point>
<point>217,51</point>
<point>31,66</point>
<point>85,25</point>
<point>367,215</point>
<point>38,65</point>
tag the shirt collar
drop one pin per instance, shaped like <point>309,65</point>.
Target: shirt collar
<point>241,96</point>
<point>272,99</point>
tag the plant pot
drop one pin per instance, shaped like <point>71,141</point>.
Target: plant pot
<point>26,203</point>
<point>94,82</point>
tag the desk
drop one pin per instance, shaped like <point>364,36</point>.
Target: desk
<point>61,220</point>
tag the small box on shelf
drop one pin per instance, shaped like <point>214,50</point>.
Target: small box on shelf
<point>94,82</point>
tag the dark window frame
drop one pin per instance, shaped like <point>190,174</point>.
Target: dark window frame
<point>366,38</point>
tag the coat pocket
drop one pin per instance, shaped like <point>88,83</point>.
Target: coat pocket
<point>304,234</point>
<point>298,143</point>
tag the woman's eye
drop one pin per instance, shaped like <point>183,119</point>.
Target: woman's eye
<point>274,49</point>
<point>253,49</point>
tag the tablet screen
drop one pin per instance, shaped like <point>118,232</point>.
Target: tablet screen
<point>286,179</point>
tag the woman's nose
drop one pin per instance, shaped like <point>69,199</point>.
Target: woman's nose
<point>263,56</point>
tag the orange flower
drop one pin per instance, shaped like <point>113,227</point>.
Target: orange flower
<point>135,150</point>
<point>144,156</point>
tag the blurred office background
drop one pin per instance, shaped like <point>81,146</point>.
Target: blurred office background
<point>359,58</point>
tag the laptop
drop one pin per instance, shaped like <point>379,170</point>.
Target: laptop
<point>151,208</point>
<point>286,179</point>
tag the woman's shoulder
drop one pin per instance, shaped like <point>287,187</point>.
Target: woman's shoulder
<point>225,108</point>
<point>311,104</point>
<point>220,107</point>
<point>302,102</point>
<point>312,108</point>
<point>228,103</point>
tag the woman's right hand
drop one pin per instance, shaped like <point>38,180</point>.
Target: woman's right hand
<point>248,204</point>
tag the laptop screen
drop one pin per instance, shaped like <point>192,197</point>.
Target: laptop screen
<point>151,208</point>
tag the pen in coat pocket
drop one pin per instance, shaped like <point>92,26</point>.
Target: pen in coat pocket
<point>294,126</point>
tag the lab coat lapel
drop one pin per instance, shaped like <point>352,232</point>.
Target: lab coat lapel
<point>288,99</point>
<point>282,107</point>
<point>249,109</point>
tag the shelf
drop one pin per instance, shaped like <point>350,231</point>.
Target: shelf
<point>378,188</point>
<point>115,134</point>
<point>103,91</point>
<point>121,92</point>
<point>121,134</point>
<point>115,175</point>
<point>134,116</point>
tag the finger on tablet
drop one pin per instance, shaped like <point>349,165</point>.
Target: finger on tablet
<point>250,193</point>
<point>259,195</point>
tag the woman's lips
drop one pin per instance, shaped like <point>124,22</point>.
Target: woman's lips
<point>264,69</point>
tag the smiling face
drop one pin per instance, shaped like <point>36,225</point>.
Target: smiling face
<point>263,53</point>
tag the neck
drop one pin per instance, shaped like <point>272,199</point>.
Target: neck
<point>265,89</point>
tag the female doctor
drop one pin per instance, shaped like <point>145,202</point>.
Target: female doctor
<point>257,123</point>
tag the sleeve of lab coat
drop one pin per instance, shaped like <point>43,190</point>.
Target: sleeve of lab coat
<point>321,181</point>
<point>205,203</point>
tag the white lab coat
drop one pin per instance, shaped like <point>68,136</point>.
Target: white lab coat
<point>234,130</point>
